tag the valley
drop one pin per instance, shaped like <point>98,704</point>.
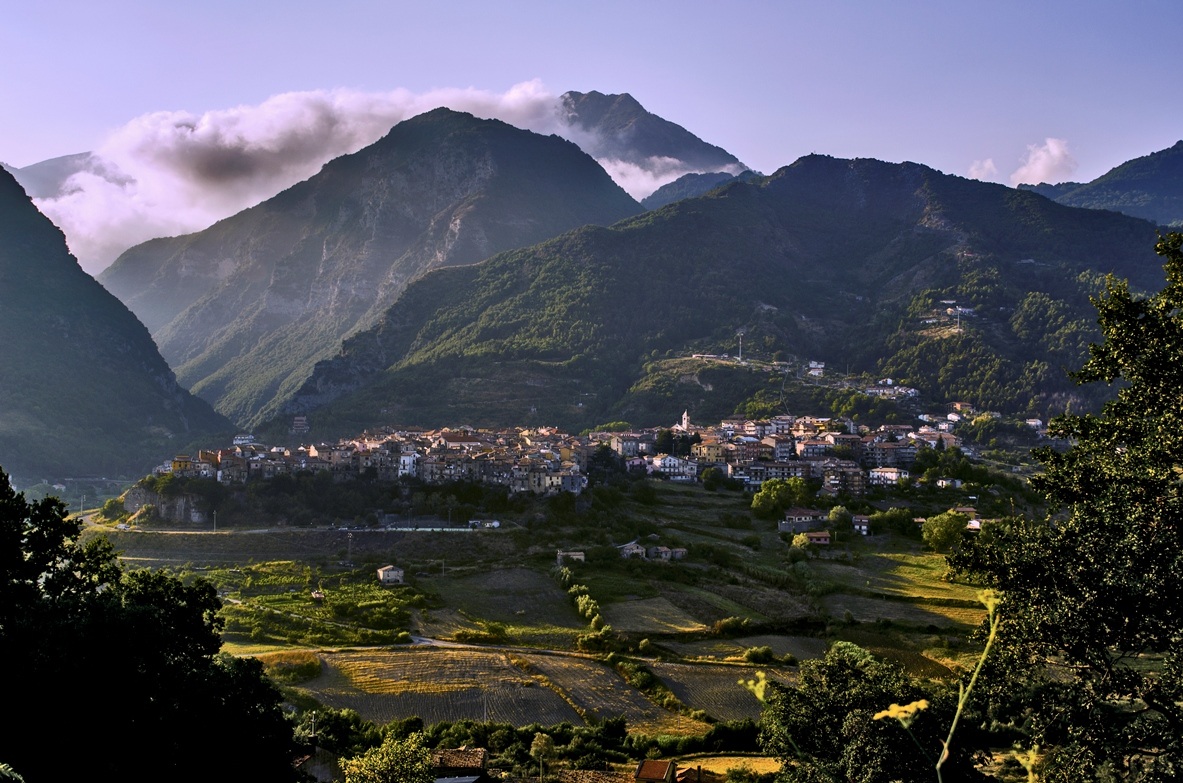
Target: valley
<point>390,458</point>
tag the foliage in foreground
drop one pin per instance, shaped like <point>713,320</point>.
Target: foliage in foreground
<point>1092,659</point>
<point>825,729</point>
<point>137,650</point>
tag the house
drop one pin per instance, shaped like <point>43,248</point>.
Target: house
<point>861,524</point>
<point>463,763</point>
<point>886,476</point>
<point>390,575</point>
<point>564,555</point>
<point>798,519</point>
<point>631,549</point>
<point>698,775</point>
<point>818,537</point>
<point>655,771</point>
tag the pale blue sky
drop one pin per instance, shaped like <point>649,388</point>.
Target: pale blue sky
<point>942,83</point>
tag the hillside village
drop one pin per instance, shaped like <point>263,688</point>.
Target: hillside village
<point>844,457</point>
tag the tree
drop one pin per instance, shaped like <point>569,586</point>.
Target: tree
<point>777,495</point>
<point>1092,656</point>
<point>942,532</point>
<point>824,729</point>
<point>542,748</point>
<point>840,517</point>
<point>137,652</point>
<point>712,479</point>
<point>394,761</point>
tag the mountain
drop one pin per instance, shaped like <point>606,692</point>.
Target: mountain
<point>1150,187</point>
<point>83,389</point>
<point>856,263</point>
<point>692,186</point>
<point>617,127</point>
<point>244,309</point>
<point>47,178</point>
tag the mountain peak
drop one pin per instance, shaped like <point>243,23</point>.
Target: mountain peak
<point>245,308</point>
<point>622,129</point>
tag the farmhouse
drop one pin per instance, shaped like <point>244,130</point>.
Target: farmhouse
<point>632,549</point>
<point>818,537</point>
<point>798,519</point>
<point>654,771</point>
<point>462,763</point>
<point>390,575</point>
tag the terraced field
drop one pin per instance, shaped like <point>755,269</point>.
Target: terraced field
<point>532,606</point>
<point>800,646</point>
<point>455,683</point>
<point>918,613</point>
<point>437,684</point>
<point>714,689</point>
<point>650,616</point>
<point>594,689</point>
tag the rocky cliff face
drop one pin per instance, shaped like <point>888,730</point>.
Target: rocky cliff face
<point>83,390</point>
<point>244,309</point>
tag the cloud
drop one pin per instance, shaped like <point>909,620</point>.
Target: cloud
<point>174,172</point>
<point>640,180</point>
<point>1050,162</point>
<point>984,170</point>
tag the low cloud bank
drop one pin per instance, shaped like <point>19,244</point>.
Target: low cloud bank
<point>1049,162</point>
<point>174,172</point>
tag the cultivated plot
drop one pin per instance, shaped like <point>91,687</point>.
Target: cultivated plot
<point>715,689</point>
<point>513,596</point>
<point>650,616</point>
<point>801,647</point>
<point>595,689</point>
<point>437,684</point>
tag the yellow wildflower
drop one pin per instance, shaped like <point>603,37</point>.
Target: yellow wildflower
<point>905,714</point>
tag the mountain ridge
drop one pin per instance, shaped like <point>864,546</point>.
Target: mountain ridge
<point>1149,187</point>
<point>83,385</point>
<point>441,188</point>
<point>826,258</point>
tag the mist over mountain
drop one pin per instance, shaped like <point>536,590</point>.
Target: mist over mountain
<point>83,390</point>
<point>244,309</point>
<point>48,178</point>
<point>1150,187</point>
<point>692,186</point>
<point>175,172</point>
<point>639,149</point>
<point>851,262</point>
<point>622,129</point>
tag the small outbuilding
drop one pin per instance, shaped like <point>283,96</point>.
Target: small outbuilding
<point>390,575</point>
